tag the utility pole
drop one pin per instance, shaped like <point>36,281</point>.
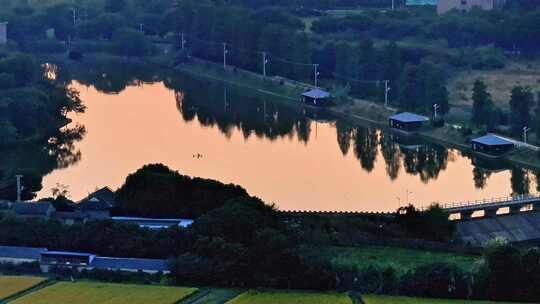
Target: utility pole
<point>225,51</point>
<point>19,187</point>
<point>435,108</point>
<point>387,90</point>
<point>393,5</point>
<point>265,61</point>
<point>408,192</point>
<point>183,41</point>
<point>525,130</point>
<point>316,66</point>
<point>73,11</point>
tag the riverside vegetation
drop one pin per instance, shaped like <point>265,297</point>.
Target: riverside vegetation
<point>243,242</point>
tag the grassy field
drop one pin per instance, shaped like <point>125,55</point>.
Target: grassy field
<point>10,285</point>
<point>284,297</point>
<point>212,296</point>
<point>372,299</point>
<point>499,82</point>
<point>398,258</point>
<point>89,292</point>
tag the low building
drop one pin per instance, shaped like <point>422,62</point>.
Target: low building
<point>492,144</point>
<point>49,260</point>
<point>95,209</point>
<point>42,210</point>
<point>70,217</point>
<point>420,2</point>
<point>444,6</point>
<point>3,33</point>
<point>152,223</point>
<point>132,265</point>
<point>406,121</point>
<point>19,255</point>
<point>98,205</point>
<point>317,97</point>
<point>65,259</point>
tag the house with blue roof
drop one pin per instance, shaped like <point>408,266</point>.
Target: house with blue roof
<point>19,255</point>
<point>50,259</point>
<point>406,121</point>
<point>317,97</point>
<point>492,144</point>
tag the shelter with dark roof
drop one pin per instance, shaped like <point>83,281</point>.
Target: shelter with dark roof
<point>19,255</point>
<point>407,121</point>
<point>317,97</point>
<point>492,144</point>
<point>65,259</point>
<point>33,210</point>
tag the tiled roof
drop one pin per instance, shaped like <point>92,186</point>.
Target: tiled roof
<point>125,263</point>
<point>102,199</point>
<point>21,252</point>
<point>492,140</point>
<point>409,117</point>
<point>68,253</point>
<point>316,94</point>
<point>39,208</point>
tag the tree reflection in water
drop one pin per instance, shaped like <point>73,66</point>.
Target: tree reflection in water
<point>214,104</point>
<point>36,160</point>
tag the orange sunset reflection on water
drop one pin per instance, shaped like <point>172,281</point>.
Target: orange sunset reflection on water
<point>142,125</point>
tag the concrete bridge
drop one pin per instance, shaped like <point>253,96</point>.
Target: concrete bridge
<point>490,207</point>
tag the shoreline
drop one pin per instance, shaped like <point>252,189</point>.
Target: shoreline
<point>355,111</point>
<point>348,113</point>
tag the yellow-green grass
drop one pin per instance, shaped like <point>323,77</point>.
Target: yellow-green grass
<point>499,83</point>
<point>290,297</point>
<point>92,292</point>
<point>10,285</point>
<point>397,258</point>
<point>374,299</point>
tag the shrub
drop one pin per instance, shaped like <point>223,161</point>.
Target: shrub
<point>7,81</point>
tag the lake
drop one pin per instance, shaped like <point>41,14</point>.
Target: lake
<point>278,151</point>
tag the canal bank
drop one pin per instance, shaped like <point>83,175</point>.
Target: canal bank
<point>353,110</point>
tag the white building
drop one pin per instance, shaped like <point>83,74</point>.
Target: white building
<point>3,33</point>
<point>444,6</point>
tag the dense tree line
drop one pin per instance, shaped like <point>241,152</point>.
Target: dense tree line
<point>246,31</point>
<point>30,104</point>
<point>246,243</point>
<point>243,243</point>
<point>157,191</point>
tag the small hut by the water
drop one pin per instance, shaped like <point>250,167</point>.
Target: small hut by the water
<point>407,121</point>
<point>492,144</point>
<point>316,97</point>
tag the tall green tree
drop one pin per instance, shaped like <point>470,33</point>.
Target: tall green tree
<point>114,6</point>
<point>521,102</point>
<point>482,103</point>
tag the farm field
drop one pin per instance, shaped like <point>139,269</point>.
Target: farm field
<point>398,258</point>
<point>284,297</point>
<point>212,296</point>
<point>373,299</point>
<point>90,292</point>
<point>10,285</point>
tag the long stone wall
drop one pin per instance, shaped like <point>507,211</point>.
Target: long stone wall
<point>520,227</point>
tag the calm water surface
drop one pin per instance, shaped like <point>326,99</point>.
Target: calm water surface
<point>272,150</point>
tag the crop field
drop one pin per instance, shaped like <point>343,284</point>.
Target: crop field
<point>373,299</point>
<point>89,293</point>
<point>398,258</point>
<point>284,297</point>
<point>10,285</point>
